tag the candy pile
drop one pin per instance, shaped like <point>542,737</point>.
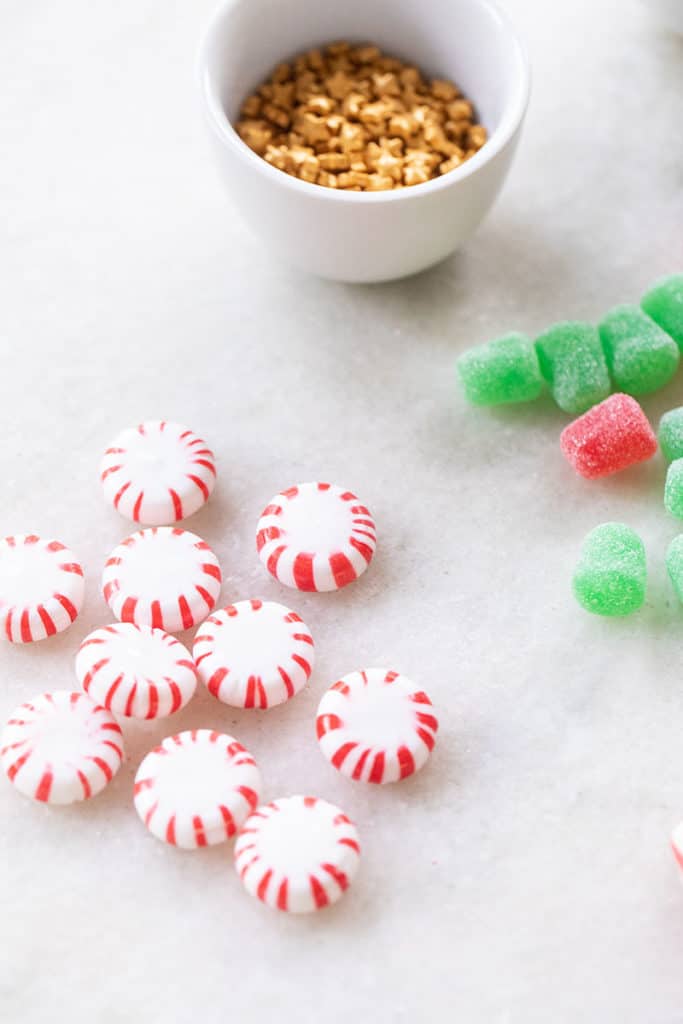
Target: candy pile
<point>635,350</point>
<point>201,787</point>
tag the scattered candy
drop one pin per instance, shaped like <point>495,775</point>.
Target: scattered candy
<point>670,434</point>
<point>254,654</point>
<point>316,537</point>
<point>61,747</point>
<point>41,587</point>
<point>501,371</point>
<point>162,576</point>
<point>611,573</point>
<point>157,473</point>
<point>674,565</point>
<point>376,726</point>
<point>136,671</point>
<point>664,303</point>
<point>673,489</point>
<point>641,357</point>
<point>298,853</point>
<point>196,788</point>
<point>573,363</point>
<point>608,438</point>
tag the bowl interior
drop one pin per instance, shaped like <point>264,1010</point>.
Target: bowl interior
<point>467,41</point>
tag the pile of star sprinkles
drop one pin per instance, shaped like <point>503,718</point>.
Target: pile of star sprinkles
<point>355,119</point>
<point>200,787</point>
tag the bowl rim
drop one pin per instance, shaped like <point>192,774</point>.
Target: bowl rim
<point>512,116</point>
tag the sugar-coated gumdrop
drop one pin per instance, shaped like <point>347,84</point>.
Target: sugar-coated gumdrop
<point>609,437</point>
<point>501,371</point>
<point>572,361</point>
<point>641,356</point>
<point>673,489</point>
<point>670,434</point>
<point>674,565</point>
<point>664,303</point>
<point>610,576</point>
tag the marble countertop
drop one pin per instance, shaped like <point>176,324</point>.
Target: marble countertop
<point>524,875</point>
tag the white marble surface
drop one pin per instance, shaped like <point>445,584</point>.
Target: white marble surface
<point>525,875</point>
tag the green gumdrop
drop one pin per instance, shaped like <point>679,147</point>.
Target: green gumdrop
<point>673,489</point>
<point>670,434</point>
<point>674,565</point>
<point>641,356</point>
<point>664,303</point>
<point>501,371</point>
<point>572,361</point>
<point>611,573</point>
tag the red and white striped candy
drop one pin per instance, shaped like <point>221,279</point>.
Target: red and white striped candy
<point>163,577</point>
<point>41,587</point>
<point>157,472</point>
<point>677,844</point>
<point>61,747</point>
<point>376,726</point>
<point>316,537</point>
<point>136,671</point>
<point>254,654</point>
<point>298,853</point>
<point>196,788</point>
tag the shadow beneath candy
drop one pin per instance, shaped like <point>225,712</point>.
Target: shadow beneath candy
<point>661,613</point>
<point>633,482</point>
<point>541,411</point>
<point>659,402</point>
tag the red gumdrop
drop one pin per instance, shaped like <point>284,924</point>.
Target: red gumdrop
<point>609,437</point>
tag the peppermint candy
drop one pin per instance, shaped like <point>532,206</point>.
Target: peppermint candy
<point>298,853</point>
<point>136,671</point>
<point>61,747</point>
<point>375,725</point>
<point>316,537</point>
<point>41,587</point>
<point>196,788</point>
<point>254,654</point>
<point>164,577</point>
<point>157,473</point>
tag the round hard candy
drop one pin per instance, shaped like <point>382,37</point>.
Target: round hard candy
<point>196,788</point>
<point>163,577</point>
<point>61,747</point>
<point>298,853</point>
<point>41,587</point>
<point>316,537</point>
<point>254,654</point>
<point>136,671</point>
<point>158,472</point>
<point>375,725</point>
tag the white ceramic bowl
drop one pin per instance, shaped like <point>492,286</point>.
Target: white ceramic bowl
<point>365,236</point>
